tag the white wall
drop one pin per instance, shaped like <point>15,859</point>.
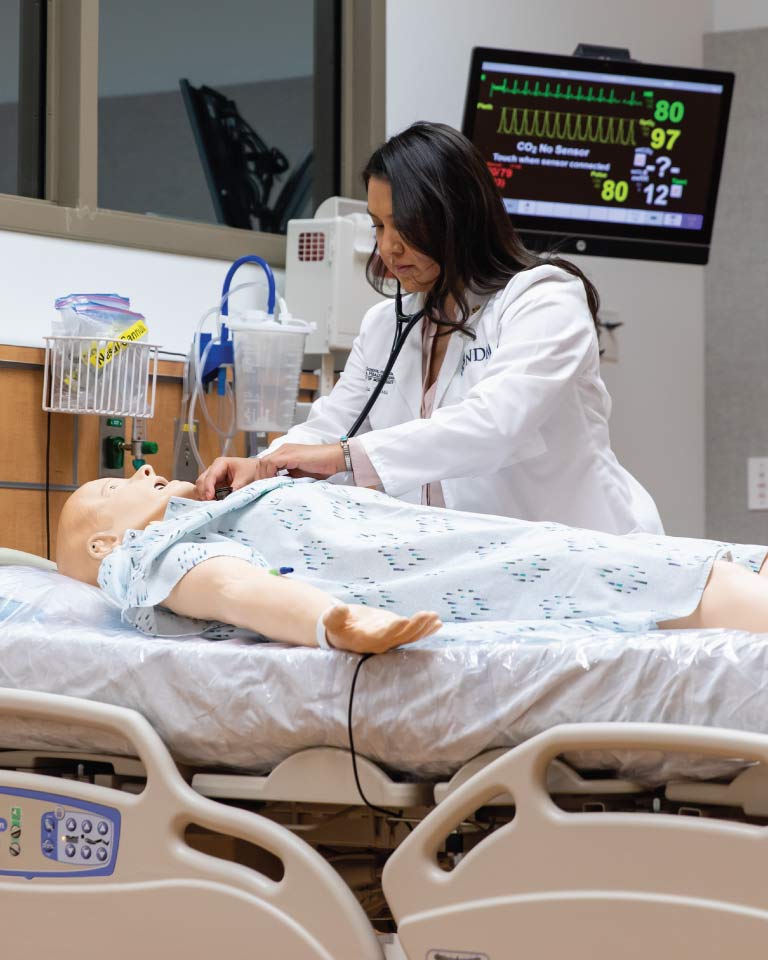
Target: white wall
<point>171,291</point>
<point>739,14</point>
<point>658,384</point>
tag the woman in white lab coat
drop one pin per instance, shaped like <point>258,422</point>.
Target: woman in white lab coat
<point>495,403</point>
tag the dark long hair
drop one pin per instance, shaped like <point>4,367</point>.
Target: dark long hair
<point>446,205</point>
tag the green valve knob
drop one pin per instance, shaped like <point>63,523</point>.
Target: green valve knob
<point>148,446</point>
<point>113,452</point>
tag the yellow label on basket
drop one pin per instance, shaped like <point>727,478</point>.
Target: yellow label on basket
<point>100,357</point>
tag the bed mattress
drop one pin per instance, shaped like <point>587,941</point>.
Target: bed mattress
<point>420,712</point>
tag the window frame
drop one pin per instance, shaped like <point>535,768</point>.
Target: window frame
<point>70,208</point>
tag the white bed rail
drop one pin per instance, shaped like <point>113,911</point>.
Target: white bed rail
<point>169,894</point>
<point>590,886</point>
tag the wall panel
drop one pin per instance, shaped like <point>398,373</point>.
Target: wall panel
<point>736,296</point>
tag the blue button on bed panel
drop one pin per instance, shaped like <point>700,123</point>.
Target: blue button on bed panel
<point>50,835</point>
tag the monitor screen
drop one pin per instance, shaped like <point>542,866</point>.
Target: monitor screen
<point>607,157</point>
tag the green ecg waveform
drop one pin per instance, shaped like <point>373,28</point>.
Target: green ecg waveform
<point>526,90</point>
<point>556,125</point>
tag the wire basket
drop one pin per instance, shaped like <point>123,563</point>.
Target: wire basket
<point>110,377</point>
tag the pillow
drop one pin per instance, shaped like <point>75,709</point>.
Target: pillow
<point>44,595</point>
<point>18,557</point>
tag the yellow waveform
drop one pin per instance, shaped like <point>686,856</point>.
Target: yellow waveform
<point>558,125</point>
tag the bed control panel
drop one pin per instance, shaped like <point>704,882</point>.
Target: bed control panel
<point>49,835</point>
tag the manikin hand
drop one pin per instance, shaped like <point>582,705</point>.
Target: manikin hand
<point>368,630</point>
<point>232,590</point>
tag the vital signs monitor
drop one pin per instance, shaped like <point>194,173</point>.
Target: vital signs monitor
<point>608,157</point>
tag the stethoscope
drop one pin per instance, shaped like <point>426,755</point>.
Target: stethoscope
<point>405,323</point>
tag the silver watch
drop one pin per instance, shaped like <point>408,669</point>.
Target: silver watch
<point>347,456</point>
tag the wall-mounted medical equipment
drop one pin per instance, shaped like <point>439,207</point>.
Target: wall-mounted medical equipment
<point>268,354</point>
<point>607,157</point>
<point>260,351</point>
<point>325,276</point>
<point>98,361</point>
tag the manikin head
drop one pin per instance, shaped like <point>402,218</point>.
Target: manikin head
<point>95,518</point>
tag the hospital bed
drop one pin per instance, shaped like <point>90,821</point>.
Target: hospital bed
<point>511,834</point>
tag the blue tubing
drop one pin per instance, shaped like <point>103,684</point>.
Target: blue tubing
<point>250,258</point>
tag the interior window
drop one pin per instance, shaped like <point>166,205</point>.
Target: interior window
<point>9,97</point>
<point>206,112</point>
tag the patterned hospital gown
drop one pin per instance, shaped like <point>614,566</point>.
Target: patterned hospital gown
<point>364,547</point>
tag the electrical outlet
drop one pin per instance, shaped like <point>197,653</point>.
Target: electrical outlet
<point>185,466</point>
<point>757,483</point>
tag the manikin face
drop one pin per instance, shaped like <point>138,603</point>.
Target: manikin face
<point>96,516</point>
<point>416,271</point>
<point>130,504</point>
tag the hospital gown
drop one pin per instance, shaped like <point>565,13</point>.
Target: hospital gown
<point>364,547</point>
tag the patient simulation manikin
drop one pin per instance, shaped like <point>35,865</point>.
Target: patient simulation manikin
<point>364,563</point>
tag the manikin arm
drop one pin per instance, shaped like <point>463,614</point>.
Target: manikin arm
<point>233,591</point>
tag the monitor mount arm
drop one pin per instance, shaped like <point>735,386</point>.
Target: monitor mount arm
<point>262,163</point>
<point>597,52</point>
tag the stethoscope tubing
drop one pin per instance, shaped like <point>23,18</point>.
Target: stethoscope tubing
<point>401,335</point>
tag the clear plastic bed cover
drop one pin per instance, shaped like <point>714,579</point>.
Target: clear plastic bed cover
<point>419,712</point>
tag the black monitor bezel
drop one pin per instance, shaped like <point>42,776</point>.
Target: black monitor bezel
<point>630,240</point>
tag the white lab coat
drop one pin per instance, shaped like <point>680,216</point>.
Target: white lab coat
<point>520,423</point>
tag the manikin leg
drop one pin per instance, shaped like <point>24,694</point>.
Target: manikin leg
<point>734,598</point>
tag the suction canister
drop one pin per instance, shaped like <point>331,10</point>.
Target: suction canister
<point>268,355</point>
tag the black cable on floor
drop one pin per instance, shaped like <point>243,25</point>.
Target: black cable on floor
<point>48,489</point>
<point>371,806</point>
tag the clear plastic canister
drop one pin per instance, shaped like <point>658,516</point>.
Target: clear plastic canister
<point>268,356</point>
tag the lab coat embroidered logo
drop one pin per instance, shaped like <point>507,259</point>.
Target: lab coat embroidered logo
<point>476,355</point>
<point>371,373</point>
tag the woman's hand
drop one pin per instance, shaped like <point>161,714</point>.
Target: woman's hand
<point>369,630</point>
<point>316,460</point>
<point>234,472</point>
